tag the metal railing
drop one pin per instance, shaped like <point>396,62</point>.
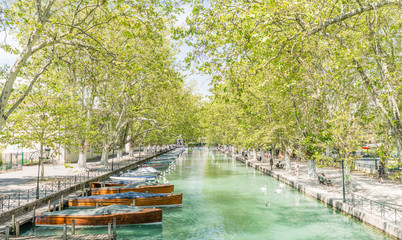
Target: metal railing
<point>365,165</point>
<point>384,211</point>
<point>10,167</point>
<point>20,198</point>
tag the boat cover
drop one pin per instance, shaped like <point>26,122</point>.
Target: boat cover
<point>130,195</point>
<point>108,210</point>
<point>119,182</point>
<point>134,185</point>
<point>165,157</point>
<point>141,172</point>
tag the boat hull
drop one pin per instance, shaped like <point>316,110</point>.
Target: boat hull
<point>172,199</point>
<point>156,166</point>
<point>99,184</point>
<point>146,216</point>
<point>143,189</point>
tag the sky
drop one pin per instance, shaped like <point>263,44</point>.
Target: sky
<point>201,82</point>
<point>6,58</point>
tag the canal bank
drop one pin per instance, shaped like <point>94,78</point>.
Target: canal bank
<point>386,226</point>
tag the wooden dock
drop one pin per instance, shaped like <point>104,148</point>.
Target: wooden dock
<point>69,237</point>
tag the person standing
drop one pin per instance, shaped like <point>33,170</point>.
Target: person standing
<point>380,173</point>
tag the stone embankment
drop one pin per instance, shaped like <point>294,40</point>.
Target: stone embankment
<point>373,209</point>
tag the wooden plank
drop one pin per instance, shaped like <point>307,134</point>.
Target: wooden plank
<point>74,237</point>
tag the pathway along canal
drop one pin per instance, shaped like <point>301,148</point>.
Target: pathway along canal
<point>223,199</point>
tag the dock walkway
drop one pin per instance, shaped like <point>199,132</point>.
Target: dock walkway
<point>69,237</point>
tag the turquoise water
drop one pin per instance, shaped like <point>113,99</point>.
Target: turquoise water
<point>223,199</point>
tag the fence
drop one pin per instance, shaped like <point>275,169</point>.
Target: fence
<point>386,212</point>
<point>10,166</point>
<point>14,200</point>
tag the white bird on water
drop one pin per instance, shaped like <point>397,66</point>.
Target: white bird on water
<point>278,190</point>
<point>281,185</point>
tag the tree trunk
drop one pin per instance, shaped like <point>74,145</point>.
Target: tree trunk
<point>131,150</point>
<point>120,153</point>
<point>311,169</point>
<point>263,159</point>
<point>42,174</point>
<point>254,155</point>
<point>399,148</point>
<point>287,161</point>
<point>105,154</point>
<point>83,154</point>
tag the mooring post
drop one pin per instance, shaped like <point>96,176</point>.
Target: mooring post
<point>60,205</point>
<point>73,227</point>
<point>101,203</point>
<point>134,203</point>
<point>7,233</point>
<point>114,226</point>
<point>13,223</point>
<point>17,229</point>
<point>65,232</point>
<point>109,230</point>
<point>48,205</point>
<point>97,205</point>
<point>33,215</point>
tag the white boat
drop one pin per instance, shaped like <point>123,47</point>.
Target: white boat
<point>135,178</point>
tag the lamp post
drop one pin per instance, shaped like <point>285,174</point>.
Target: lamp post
<point>47,153</point>
<point>343,178</point>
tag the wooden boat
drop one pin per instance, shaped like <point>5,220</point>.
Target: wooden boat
<point>141,172</point>
<point>144,189</point>
<point>135,178</point>
<point>159,162</point>
<point>168,156</point>
<point>109,184</point>
<point>155,165</point>
<point>128,198</point>
<point>124,215</point>
<point>165,158</point>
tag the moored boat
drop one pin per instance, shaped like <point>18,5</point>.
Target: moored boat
<point>159,162</point>
<point>155,165</point>
<point>128,198</point>
<point>142,172</point>
<point>144,188</point>
<point>124,215</point>
<point>109,184</point>
<point>165,158</point>
<point>135,178</point>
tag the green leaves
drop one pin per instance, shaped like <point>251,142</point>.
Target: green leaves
<point>282,77</point>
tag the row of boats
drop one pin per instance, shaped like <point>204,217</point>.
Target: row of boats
<point>134,197</point>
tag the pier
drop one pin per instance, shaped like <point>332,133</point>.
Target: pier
<point>70,237</point>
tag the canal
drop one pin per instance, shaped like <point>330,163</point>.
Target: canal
<point>223,199</point>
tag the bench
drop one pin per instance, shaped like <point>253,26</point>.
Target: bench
<point>324,181</point>
<point>280,166</point>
